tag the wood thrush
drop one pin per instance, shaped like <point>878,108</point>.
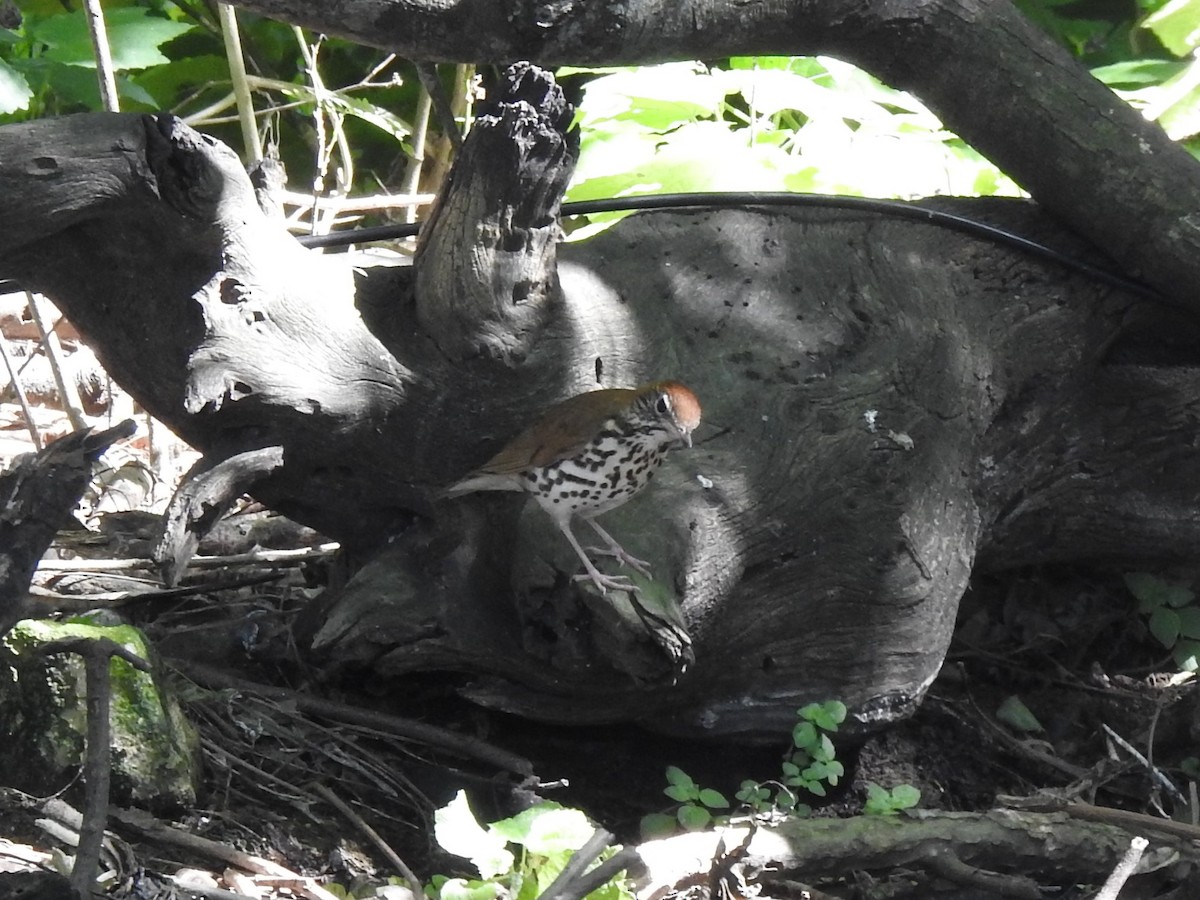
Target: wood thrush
<point>589,454</point>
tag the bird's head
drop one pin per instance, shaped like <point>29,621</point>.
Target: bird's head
<point>673,406</point>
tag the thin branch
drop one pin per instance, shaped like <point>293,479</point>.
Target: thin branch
<point>268,557</point>
<point>1114,883</point>
<point>427,72</point>
<point>22,398</point>
<point>443,738</point>
<point>401,866</point>
<point>68,392</point>
<point>104,62</point>
<point>241,85</point>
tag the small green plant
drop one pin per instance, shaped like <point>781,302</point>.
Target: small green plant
<point>882,802</point>
<point>1171,615</point>
<point>544,836</point>
<point>696,806</point>
<point>810,765</point>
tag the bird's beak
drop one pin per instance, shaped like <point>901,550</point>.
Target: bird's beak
<point>687,438</point>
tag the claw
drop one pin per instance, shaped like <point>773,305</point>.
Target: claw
<point>618,552</point>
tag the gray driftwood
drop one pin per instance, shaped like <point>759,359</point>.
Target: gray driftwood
<point>888,406</point>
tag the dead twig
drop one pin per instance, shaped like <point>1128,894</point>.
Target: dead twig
<point>22,398</point>
<point>1114,883</point>
<point>444,739</point>
<point>267,557</point>
<point>67,390</point>
<point>944,863</point>
<point>150,828</point>
<point>414,883</point>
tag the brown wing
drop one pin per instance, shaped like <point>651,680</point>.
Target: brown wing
<point>561,432</point>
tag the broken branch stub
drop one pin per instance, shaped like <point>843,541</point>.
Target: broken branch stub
<point>486,266</point>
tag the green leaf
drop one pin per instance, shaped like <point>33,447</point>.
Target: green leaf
<point>905,796</point>
<point>876,794</point>
<point>824,751</point>
<point>457,831</point>
<point>1164,625</point>
<point>693,817</point>
<point>1186,654</point>
<point>1138,72</point>
<point>1189,621</point>
<point>680,793</point>
<point>15,92</point>
<point>461,889</point>
<point>1014,713</point>
<point>677,776</point>
<point>171,80</point>
<point>1153,592</point>
<point>134,36</point>
<point>657,825</point>
<point>835,710</point>
<point>547,828</point>
<point>804,735</point>
<point>1176,24</point>
<point>713,799</point>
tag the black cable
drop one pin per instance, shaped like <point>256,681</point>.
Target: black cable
<point>896,208</point>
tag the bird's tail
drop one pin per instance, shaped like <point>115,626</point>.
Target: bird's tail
<point>480,482</point>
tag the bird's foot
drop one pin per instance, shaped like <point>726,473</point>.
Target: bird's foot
<point>606,582</point>
<point>617,552</point>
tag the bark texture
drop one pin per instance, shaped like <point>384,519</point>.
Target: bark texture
<point>993,77</point>
<point>887,405</point>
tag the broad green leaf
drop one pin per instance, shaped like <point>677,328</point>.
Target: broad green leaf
<point>1138,72</point>
<point>693,817</point>
<point>458,833</point>
<point>676,775</point>
<point>804,734</point>
<point>655,96</point>
<point>1189,621</point>
<point>1186,654</point>
<point>15,92</point>
<point>713,799</point>
<point>1177,25</point>
<point>835,714</point>
<point>1014,713</point>
<point>546,829</point>
<point>1164,625</point>
<point>134,36</point>
<point>681,793</point>
<point>656,825</point>
<point>1178,111</point>
<point>1153,591</point>
<point>170,80</point>
<point>905,796</point>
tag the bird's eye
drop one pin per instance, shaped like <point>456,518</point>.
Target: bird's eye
<point>662,406</point>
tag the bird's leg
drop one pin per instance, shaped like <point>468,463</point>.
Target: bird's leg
<point>616,550</point>
<point>602,581</point>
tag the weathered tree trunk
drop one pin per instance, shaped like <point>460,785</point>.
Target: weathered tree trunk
<point>993,78</point>
<point>886,404</point>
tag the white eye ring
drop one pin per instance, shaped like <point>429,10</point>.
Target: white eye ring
<point>662,405</point>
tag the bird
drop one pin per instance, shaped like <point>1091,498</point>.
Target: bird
<point>590,454</point>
